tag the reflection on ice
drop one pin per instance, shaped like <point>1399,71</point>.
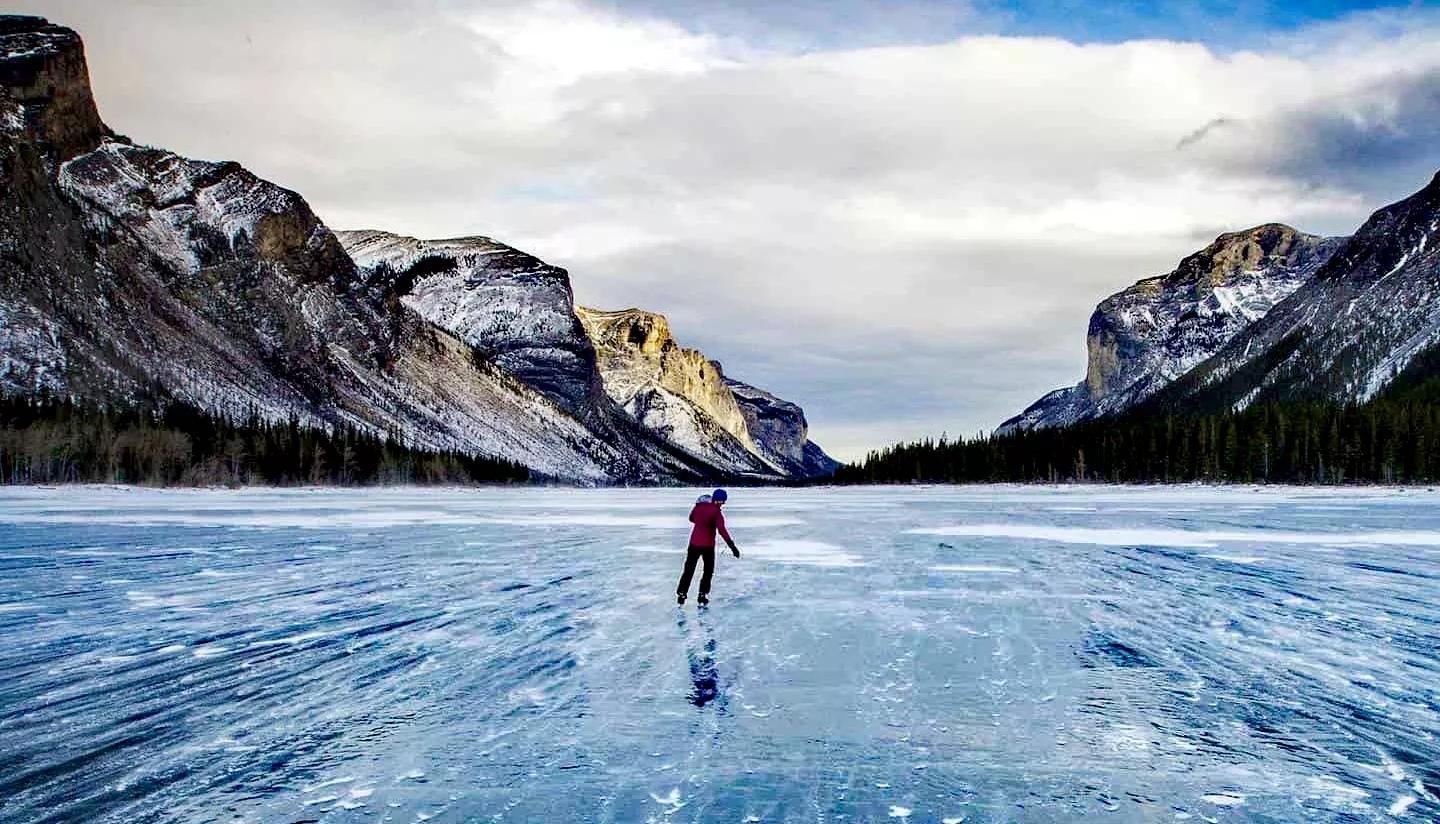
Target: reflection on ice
<point>982,654</point>
<point>704,672</point>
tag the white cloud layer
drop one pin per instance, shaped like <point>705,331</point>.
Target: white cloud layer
<point>905,239</point>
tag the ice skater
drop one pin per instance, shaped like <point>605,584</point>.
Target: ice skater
<point>708,519</point>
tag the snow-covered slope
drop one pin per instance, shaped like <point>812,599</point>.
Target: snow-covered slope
<point>514,309</point>
<point>1145,337</point>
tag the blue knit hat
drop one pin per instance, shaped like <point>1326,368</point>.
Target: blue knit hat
<point>719,496</point>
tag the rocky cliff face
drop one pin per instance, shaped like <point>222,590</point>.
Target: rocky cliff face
<point>780,432</point>
<point>671,390</point>
<point>684,396</point>
<point>1145,337</point>
<point>131,273</point>
<point>43,70</point>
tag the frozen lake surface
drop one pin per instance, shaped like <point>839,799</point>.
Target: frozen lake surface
<point>981,654</point>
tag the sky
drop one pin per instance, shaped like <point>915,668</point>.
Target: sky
<point>899,215</point>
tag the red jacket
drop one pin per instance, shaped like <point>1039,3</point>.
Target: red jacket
<point>707,519</point>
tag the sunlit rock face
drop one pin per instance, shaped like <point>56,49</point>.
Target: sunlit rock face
<point>1145,337</point>
<point>687,398</point>
<point>672,390</point>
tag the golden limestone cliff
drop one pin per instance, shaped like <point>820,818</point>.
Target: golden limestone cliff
<point>687,398</point>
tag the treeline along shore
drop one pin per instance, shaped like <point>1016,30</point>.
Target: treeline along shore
<point>1391,440</point>
<point>50,441</point>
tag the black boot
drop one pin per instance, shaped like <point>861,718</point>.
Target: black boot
<point>703,600</point>
<point>680,598</point>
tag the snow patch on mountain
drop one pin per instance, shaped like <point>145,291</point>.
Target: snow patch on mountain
<point>31,357</point>
<point>184,211</point>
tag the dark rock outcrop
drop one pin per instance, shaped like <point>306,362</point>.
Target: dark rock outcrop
<point>42,68</point>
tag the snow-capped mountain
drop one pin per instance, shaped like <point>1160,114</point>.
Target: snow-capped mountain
<point>1143,338</point>
<point>1368,315</point>
<point>685,396</point>
<point>130,273</point>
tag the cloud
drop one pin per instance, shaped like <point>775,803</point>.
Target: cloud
<point>905,238</point>
<point>1385,133</point>
<point>541,50</point>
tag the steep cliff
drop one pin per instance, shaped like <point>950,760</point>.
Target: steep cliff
<point>1145,337</point>
<point>43,70</point>
<point>671,390</point>
<point>780,432</point>
<point>685,396</point>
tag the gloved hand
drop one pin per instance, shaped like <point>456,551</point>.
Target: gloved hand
<point>735,550</point>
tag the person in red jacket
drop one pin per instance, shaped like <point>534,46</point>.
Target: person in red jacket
<point>708,519</point>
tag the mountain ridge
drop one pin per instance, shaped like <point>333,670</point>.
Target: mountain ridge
<point>129,274</point>
<point>1336,320</point>
<point>1366,315</point>
<point>1146,336</point>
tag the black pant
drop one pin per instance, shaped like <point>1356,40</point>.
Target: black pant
<point>693,554</point>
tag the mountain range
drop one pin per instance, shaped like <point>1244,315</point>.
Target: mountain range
<point>131,274</point>
<point>1267,314</point>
